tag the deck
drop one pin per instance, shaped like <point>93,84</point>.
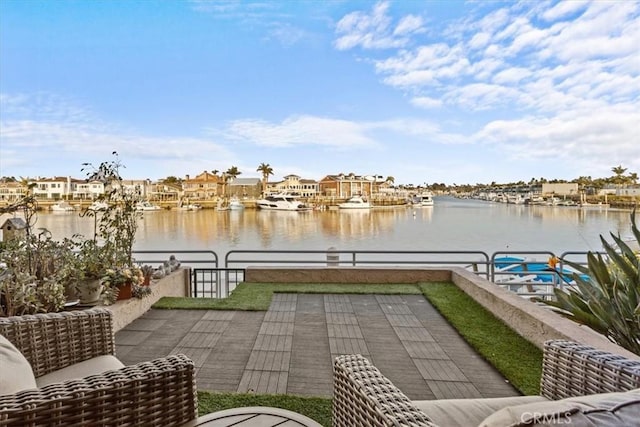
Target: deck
<point>289,348</point>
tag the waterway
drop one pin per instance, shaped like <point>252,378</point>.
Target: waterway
<point>451,225</point>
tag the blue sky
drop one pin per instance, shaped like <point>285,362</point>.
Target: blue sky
<point>424,91</point>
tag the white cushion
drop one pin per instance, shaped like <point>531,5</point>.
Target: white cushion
<point>94,366</point>
<point>606,409</point>
<point>468,412</point>
<point>15,371</point>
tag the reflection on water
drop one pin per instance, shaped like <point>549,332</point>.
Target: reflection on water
<point>451,224</point>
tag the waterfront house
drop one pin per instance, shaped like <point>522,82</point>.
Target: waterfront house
<point>204,186</point>
<point>55,188</point>
<point>294,184</point>
<point>88,190</point>
<point>11,191</point>
<point>244,187</point>
<point>344,186</point>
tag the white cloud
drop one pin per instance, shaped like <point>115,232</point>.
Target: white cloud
<point>50,126</point>
<point>300,130</point>
<point>426,102</point>
<point>563,9</point>
<point>373,30</point>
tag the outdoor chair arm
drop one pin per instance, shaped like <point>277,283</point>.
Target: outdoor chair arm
<point>161,392</point>
<point>363,397</point>
<point>570,369</point>
<point>52,341</point>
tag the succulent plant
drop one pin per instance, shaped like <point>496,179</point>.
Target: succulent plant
<point>606,294</point>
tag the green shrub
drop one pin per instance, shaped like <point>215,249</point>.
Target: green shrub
<point>606,294</point>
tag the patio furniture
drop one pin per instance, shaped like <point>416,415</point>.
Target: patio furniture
<point>61,369</point>
<point>579,384</point>
<point>253,416</point>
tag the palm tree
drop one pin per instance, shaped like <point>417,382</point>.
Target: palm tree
<point>233,172</point>
<point>633,177</point>
<point>619,177</point>
<point>391,180</point>
<point>266,170</point>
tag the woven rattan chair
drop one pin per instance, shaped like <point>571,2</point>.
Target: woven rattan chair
<point>161,392</point>
<point>365,397</point>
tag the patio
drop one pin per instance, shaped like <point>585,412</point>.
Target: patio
<point>290,348</point>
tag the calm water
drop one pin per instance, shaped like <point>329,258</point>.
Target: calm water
<point>452,224</point>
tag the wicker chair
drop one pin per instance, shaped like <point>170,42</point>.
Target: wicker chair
<point>364,397</point>
<point>161,392</point>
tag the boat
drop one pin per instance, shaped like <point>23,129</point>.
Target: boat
<point>355,202</point>
<point>235,204</point>
<point>423,199</point>
<point>98,206</point>
<point>62,207</point>
<point>190,207</point>
<point>282,202</point>
<point>146,206</point>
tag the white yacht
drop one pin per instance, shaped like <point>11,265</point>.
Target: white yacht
<point>62,207</point>
<point>423,199</point>
<point>355,202</point>
<point>146,206</point>
<point>235,204</point>
<point>282,202</point>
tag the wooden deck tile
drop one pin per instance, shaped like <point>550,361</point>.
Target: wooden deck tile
<point>219,315</point>
<point>273,342</point>
<point>344,331</point>
<point>279,316</point>
<point>214,326</point>
<point>421,350</point>
<point>443,370</point>
<point>453,390</point>
<point>200,339</point>
<point>413,334</point>
<point>276,328</point>
<point>407,320</point>
<point>348,346</point>
<point>261,360</point>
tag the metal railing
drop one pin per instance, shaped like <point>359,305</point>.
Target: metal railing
<point>477,260</point>
<point>215,282</point>
<point>517,271</point>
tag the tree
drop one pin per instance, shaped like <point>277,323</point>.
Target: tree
<point>391,180</point>
<point>265,169</point>
<point>633,177</point>
<point>233,172</point>
<point>619,177</point>
<point>171,180</point>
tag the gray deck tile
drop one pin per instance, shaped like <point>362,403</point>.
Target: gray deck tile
<point>290,348</point>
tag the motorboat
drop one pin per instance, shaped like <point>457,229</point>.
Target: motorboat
<point>282,202</point>
<point>423,199</point>
<point>190,207</point>
<point>147,206</point>
<point>355,202</point>
<point>62,207</point>
<point>235,204</point>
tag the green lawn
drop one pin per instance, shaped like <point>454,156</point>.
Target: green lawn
<point>518,360</point>
<point>514,357</point>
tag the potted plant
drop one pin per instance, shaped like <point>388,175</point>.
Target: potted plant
<point>116,227</point>
<point>88,266</point>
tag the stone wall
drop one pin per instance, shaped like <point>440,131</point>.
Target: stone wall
<point>174,285</point>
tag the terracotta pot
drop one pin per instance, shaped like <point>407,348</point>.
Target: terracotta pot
<point>124,291</point>
<point>147,281</point>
